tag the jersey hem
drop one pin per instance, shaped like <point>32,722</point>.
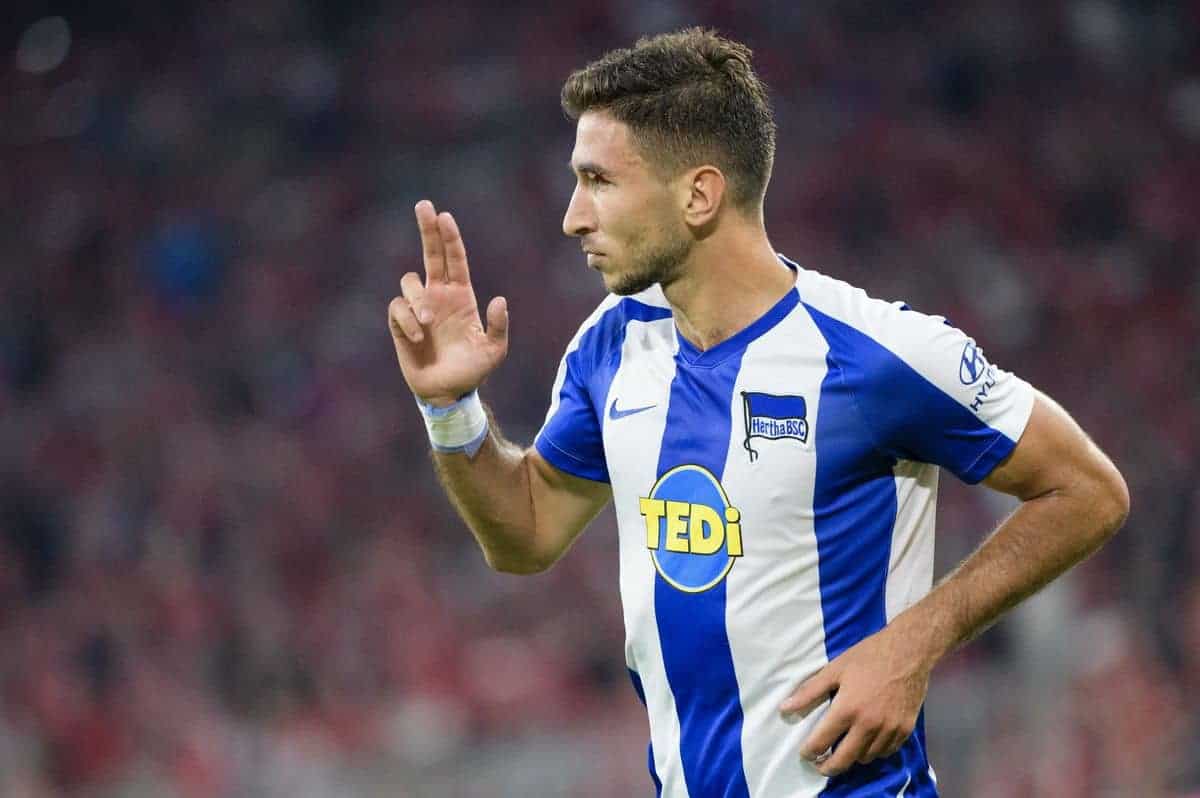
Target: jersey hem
<point>988,459</point>
<point>992,456</point>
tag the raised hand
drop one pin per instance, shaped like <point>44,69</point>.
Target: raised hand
<point>443,349</point>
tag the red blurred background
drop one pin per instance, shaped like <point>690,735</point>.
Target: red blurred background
<point>225,566</point>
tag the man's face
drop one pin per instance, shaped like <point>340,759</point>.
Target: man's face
<point>627,218</point>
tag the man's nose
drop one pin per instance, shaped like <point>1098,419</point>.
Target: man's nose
<point>579,219</point>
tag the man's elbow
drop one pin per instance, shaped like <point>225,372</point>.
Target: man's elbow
<point>524,564</point>
<point>1111,502</point>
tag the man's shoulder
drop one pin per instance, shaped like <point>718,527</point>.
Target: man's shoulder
<point>853,306</point>
<point>876,338</point>
<point>854,322</point>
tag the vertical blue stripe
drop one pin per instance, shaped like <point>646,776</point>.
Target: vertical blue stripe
<point>854,513</point>
<point>641,694</point>
<point>691,626</point>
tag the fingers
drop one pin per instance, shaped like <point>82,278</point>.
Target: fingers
<point>431,242</point>
<point>848,750</point>
<point>811,693</point>
<point>845,736</point>
<point>881,746</point>
<point>403,323</point>
<point>497,321</point>
<point>441,245</point>
<point>825,734</point>
<point>896,740</point>
<point>455,251</point>
<point>414,292</point>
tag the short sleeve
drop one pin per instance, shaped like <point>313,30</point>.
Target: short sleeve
<point>926,391</point>
<point>571,438</point>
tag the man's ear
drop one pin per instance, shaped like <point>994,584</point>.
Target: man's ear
<point>704,191</point>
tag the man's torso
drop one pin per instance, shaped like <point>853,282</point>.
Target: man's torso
<point>764,525</point>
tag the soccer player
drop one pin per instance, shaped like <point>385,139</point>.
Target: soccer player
<point>771,439</point>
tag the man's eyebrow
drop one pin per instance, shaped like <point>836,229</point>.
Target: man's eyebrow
<point>588,166</point>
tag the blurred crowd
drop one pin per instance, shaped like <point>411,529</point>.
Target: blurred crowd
<point>226,567</point>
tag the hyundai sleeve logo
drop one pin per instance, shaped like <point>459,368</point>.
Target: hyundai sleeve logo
<point>972,365</point>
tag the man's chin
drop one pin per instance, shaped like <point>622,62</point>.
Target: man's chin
<point>627,284</point>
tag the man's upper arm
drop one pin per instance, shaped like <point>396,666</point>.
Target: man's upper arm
<point>1054,454</point>
<point>563,505</point>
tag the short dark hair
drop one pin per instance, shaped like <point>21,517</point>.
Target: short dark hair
<point>689,97</point>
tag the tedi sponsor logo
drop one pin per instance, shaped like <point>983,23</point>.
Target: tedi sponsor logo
<point>693,531</point>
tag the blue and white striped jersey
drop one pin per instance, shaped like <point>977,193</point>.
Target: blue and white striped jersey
<point>775,499</point>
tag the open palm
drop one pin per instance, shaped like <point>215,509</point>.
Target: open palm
<point>440,340</point>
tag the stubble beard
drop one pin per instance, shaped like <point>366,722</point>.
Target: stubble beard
<point>661,265</point>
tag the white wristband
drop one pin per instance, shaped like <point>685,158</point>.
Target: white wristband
<point>460,427</point>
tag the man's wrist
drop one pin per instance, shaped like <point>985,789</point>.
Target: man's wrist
<point>926,630</point>
<point>440,401</point>
<point>460,426</point>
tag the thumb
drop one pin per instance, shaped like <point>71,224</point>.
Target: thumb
<point>811,693</point>
<point>497,321</point>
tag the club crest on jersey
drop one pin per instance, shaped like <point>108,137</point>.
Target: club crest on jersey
<point>773,417</point>
<point>693,532</point>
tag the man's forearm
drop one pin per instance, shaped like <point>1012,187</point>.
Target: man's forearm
<point>1043,538</point>
<point>491,492</point>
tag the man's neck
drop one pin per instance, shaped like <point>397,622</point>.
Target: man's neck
<point>728,284</point>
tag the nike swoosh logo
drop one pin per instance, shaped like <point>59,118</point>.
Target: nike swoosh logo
<point>615,414</point>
